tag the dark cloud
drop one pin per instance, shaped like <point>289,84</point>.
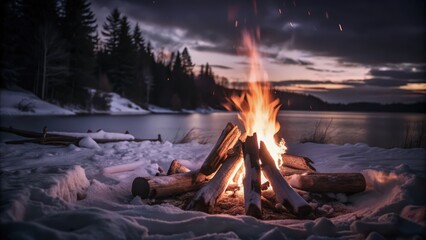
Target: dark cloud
<point>374,32</point>
<point>407,74</point>
<point>291,61</point>
<point>220,66</point>
<point>324,70</point>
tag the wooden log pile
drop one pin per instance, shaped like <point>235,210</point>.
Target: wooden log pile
<point>235,154</point>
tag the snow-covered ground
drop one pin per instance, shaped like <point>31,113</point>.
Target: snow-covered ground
<point>54,192</point>
<point>25,103</point>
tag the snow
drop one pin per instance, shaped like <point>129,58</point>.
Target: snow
<point>25,103</point>
<point>56,192</point>
<point>120,105</point>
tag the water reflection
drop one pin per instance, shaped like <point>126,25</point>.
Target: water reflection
<point>374,129</point>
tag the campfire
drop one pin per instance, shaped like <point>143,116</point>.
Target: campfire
<point>252,162</point>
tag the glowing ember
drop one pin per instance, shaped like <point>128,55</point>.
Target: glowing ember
<point>257,108</point>
<point>340,27</point>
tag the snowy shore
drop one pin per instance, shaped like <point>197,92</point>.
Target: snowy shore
<point>21,102</point>
<point>53,192</point>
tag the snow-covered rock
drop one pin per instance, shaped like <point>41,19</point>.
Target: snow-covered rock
<point>25,103</point>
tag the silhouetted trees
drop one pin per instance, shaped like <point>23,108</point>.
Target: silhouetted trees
<point>56,52</point>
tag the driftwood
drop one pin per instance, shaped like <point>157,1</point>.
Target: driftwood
<point>163,186</point>
<point>205,199</point>
<point>57,139</point>
<point>177,167</point>
<point>252,198</point>
<point>284,193</point>
<point>218,154</point>
<point>328,182</point>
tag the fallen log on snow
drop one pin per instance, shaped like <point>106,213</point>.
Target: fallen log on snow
<point>205,199</point>
<point>163,186</point>
<point>284,193</point>
<point>64,138</point>
<point>328,182</point>
<point>251,181</point>
<point>218,154</point>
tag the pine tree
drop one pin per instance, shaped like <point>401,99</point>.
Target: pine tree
<point>143,76</point>
<point>111,31</point>
<point>138,40</point>
<point>79,28</point>
<point>122,76</point>
<point>187,62</point>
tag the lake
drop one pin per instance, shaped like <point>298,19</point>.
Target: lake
<point>375,129</point>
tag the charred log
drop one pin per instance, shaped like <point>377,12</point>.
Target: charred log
<point>284,193</point>
<point>252,194</point>
<point>218,154</point>
<point>205,199</point>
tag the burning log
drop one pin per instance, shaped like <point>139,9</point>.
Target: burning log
<point>293,164</point>
<point>328,182</point>
<point>284,193</point>
<point>206,197</point>
<point>162,186</point>
<point>252,194</point>
<point>177,167</point>
<point>227,140</point>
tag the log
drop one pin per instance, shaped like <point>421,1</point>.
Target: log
<point>177,167</point>
<point>251,182</point>
<point>57,139</point>
<point>284,193</point>
<point>328,182</point>
<point>205,199</point>
<point>163,186</point>
<point>297,162</point>
<point>218,154</point>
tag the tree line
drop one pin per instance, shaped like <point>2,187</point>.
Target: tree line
<point>54,49</point>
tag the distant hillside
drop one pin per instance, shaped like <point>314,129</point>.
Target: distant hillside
<point>297,101</point>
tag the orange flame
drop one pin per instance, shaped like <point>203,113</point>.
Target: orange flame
<point>257,108</point>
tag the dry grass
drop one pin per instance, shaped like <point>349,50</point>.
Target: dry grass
<point>414,136</point>
<point>320,133</point>
<point>192,135</point>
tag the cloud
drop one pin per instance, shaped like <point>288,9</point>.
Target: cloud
<point>324,70</point>
<point>374,32</point>
<point>408,74</point>
<point>291,61</point>
<point>220,66</point>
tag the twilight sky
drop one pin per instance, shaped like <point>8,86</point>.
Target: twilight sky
<point>340,51</point>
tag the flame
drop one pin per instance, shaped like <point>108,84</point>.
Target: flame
<point>257,108</point>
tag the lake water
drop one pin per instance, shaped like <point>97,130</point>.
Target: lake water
<point>375,129</point>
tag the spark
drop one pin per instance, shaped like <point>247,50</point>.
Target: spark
<point>279,10</point>
<point>309,13</point>
<point>291,24</point>
<point>340,27</point>
<point>236,23</point>
<point>326,15</point>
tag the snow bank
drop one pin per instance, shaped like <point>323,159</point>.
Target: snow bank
<point>31,193</point>
<point>36,207</point>
<point>120,105</point>
<point>26,103</point>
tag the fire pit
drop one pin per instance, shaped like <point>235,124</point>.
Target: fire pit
<point>252,161</point>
